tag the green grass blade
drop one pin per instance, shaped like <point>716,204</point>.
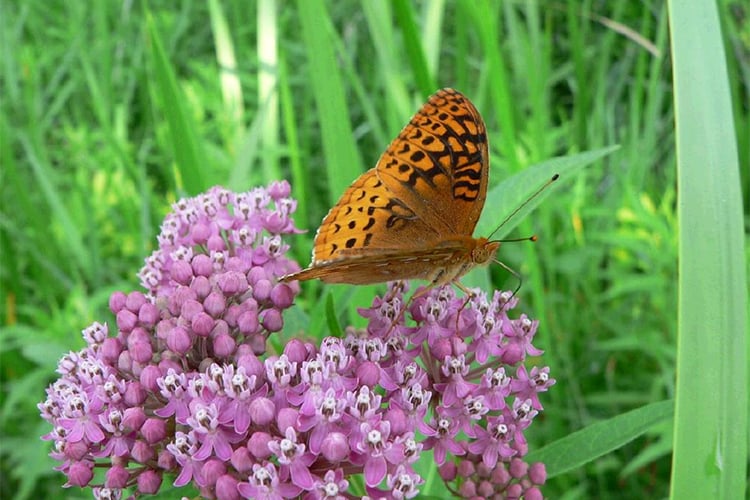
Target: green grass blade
<point>413,45</point>
<point>185,142</point>
<point>390,57</point>
<point>268,91</point>
<point>596,440</point>
<point>485,16</point>
<point>341,155</point>
<point>229,80</point>
<point>711,418</point>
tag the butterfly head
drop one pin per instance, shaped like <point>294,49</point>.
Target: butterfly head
<point>484,251</point>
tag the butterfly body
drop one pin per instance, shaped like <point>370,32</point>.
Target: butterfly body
<point>440,264</point>
<point>412,216</point>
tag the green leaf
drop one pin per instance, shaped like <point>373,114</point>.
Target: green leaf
<point>711,412</point>
<point>590,443</point>
<point>514,191</point>
<point>333,323</point>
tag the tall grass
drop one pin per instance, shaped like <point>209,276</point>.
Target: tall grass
<point>109,112</point>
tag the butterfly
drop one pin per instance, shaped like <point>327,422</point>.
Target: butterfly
<point>412,216</point>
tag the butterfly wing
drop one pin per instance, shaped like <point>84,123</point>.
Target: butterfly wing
<point>437,264</point>
<point>438,165</point>
<point>416,208</point>
<point>369,218</point>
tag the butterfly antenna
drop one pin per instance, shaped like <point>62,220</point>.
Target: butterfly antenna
<point>513,271</point>
<point>520,207</point>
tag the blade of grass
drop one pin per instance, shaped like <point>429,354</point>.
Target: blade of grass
<point>433,14</point>
<point>187,147</point>
<point>711,419</point>
<point>485,16</point>
<point>231,87</point>
<point>336,131</point>
<point>390,53</point>
<point>413,45</point>
<point>268,92</point>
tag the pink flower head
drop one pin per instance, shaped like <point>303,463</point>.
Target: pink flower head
<point>186,384</point>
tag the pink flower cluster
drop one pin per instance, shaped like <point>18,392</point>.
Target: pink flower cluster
<point>185,387</point>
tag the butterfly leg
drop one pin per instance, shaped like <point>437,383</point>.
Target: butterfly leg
<point>399,318</point>
<point>469,295</point>
<point>397,289</point>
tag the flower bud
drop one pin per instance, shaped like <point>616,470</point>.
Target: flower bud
<point>201,286</point>
<point>232,282</point>
<point>211,471</point>
<point>518,468</point>
<point>200,232</point>
<point>149,482</point>
<point>287,417</point>
<point>190,308</point>
<point>216,243</point>
<point>335,447</point>
<point>202,265</point>
<point>126,320</point>
<point>272,320</point>
<point>226,488</point>
<point>202,324</point>
<point>166,461</point>
<point>134,301</point>
<point>467,489</point>
<point>262,290</point>
<point>148,378</point>
<point>181,272</point>
<point>514,491</point>
<point>141,352</point>
<point>248,322</point>
<point>116,477</point>
<point>533,493</point>
<point>466,468</point>
<point>214,304</point>
<point>258,445</point>
<point>135,393</point>
<point>262,411</point>
<point>117,302</point>
<point>485,489</point>
<point>80,473</point>
<point>224,345</point>
<point>282,296</point>
<point>447,471</point>
<point>111,349</point>
<point>179,340</point>
<point>142,452</point>
<point>76,451</point>
<point>538,473</point>
<point>256,274</point>
<point>133,418</point>
<point>154,430</point>
<point>241,459</point>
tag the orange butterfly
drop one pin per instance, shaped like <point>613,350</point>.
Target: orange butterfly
<point>413,215</point>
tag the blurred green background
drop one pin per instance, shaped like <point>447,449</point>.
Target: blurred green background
<point>111,111</point>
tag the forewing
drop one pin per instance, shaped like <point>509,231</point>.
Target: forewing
<point>438,165</point>
<point>369,218</point>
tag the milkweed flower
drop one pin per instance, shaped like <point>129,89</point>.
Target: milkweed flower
<point>182,387</point>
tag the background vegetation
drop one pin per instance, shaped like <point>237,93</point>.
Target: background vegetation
<point>110,111</point>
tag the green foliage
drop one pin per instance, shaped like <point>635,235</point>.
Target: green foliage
<point>111,111</point>
<point>713,286</point>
